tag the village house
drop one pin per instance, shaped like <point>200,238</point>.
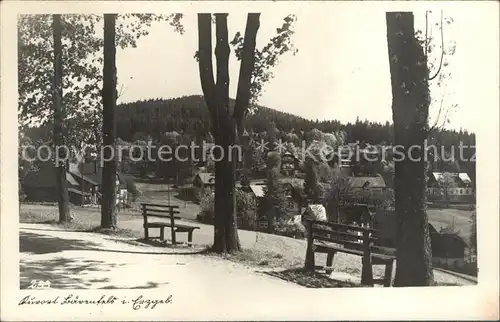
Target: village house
<point>89,176</point>
<point>204,180</point>
<point>289,164</point>
<point>450,187</point>
<point>84,184</point>
<point>41,186</point>
<point>367,183</point>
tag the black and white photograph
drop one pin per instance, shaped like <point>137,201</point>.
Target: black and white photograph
<point>231,160</point>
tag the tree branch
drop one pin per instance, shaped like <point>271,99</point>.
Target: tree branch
<point>205,59</point>
<point>222,52</point>
<point>426,27</point>
<point>246,69</point>
<point>442,50</point>
<point>437,119</point>
<point>120,92</point>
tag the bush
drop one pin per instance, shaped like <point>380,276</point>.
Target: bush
<point>291,229</point>
<point>132,188</point>
<point>247,220</point>
<point>245,206</point>
<point>188,193</point>
<point>206,217</point>
<point>207,202</point>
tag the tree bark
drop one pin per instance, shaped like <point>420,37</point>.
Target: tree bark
<point>108,208</point>
<point>410,91</point>
<point>59,118</point>
<point>226,125</point>
<point>205,61</point>
<point>226,233</point>
<point>246,70</point>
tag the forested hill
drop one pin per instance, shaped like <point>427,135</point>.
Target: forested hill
<point>189,114</point>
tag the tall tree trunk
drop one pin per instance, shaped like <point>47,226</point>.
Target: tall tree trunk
<point>226,233</point>
<point>410,108</point>
<point>59,119</point>
<point>108,208</point>
<point>225,124</point>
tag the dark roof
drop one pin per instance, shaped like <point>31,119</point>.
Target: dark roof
<point>92,173</point>
<point>45,178</point>
<point>75,170</point>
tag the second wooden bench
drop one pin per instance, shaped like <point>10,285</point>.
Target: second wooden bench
<point>167,212</point>
<point>330,238</point>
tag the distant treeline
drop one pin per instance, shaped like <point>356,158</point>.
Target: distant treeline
<point>189,115</point>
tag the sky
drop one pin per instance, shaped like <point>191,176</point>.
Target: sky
<point>341,70</point>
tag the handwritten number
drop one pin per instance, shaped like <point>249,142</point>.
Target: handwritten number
<point>39,284</point>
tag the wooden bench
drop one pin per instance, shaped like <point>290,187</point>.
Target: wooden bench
<point>166,212</point>
<point>330,238</point>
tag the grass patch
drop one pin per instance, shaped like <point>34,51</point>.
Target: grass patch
<point>37,218</point>
<point>255,258</point>
<point>79,223</point>
<point>310,279</point>
<point>112,232</point>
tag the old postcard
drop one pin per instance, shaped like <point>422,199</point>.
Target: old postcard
<point>231,160</point>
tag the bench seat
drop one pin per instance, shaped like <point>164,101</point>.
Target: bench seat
<point>177,227</point>
<point>328,248</point>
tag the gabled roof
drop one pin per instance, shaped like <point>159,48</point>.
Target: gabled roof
<point>74,169</point>
<point>367,182</point>
<point>45,178</point>
<point>258,190</point>
<point>92,175</point>
<point>459,177</point>
<point>71,180</point>
<point>206,177</point>
<point>73,190</point>
<point>464,177</point>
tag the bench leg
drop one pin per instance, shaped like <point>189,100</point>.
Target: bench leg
<point>190,238</point>
<point>162,233</point>
<point>172,230</point>
<point>329,262</point>
<point>146,233</point>
<point>367,272</point>
<point>388,273</point>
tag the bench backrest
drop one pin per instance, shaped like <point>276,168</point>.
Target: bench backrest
<point>159,210</point>
<point>362,238</point>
